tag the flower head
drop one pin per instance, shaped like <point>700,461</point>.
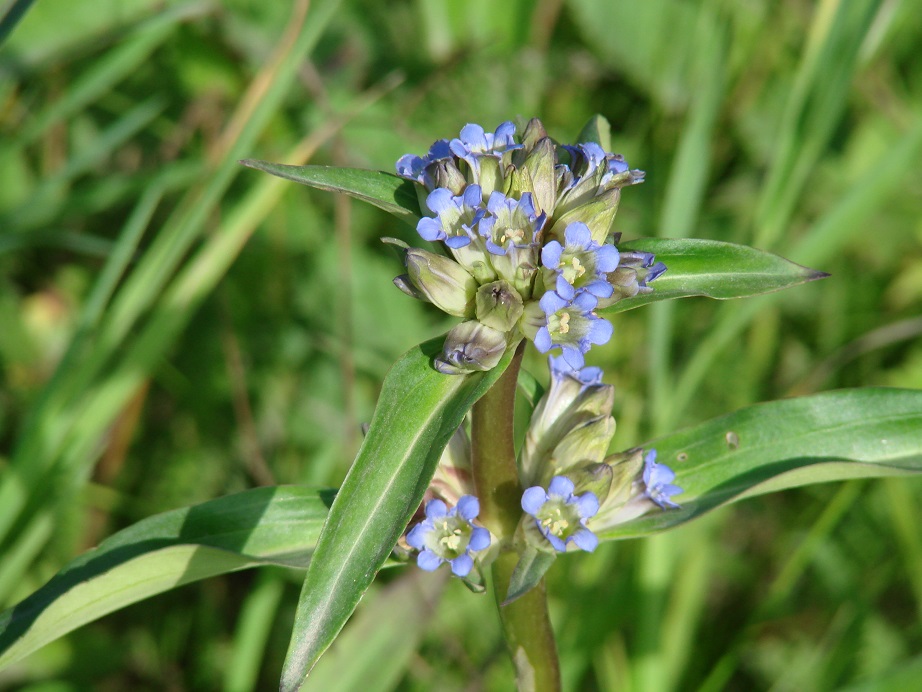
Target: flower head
<point>657,480</point>
<point>449,536</point>
<point>560,515</point>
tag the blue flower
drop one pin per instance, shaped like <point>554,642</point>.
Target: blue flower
<point>572,325</point>
<point>414,167</point>
<point>449,536</point>
<point>456,216</point>
<point>560,515</point>
<point>511,222</point>
<point>474,142</point>
<point>581,264</point>
<point>657,479</point>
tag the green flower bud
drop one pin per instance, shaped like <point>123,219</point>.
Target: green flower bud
<point>540,165</point>
<point>533,133</point>
<point>471,347</point>
<point>443,282</point>
<point>625,499</point>
<point>499,306</point>
<point>571,425</point>
<point>598,214</point>
<point>446,174</point>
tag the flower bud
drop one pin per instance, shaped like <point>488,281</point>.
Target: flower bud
<point>540,165</point>
<point>471,347</point>
<point>597,213</point>
<point>446,174</point>
<point>499,306</point>
<point>443,282</point>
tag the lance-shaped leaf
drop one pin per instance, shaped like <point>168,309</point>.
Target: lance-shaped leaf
<point>418,411</point>
<point>263,526</point>
<point>386,191</point>
<point>851,433</point>
<point>713,269</point>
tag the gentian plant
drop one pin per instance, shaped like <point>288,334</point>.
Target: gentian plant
<point>513,238</point>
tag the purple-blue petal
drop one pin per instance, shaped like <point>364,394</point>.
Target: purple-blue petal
<point>607,258</point>
<point>428,560</point>
<point>561,486</point>
<point>533,499</point>
<point>600,288</point>
<point>587,505</point>
<point>439,200</point>
<point>600,331</point>
<point>461,566</point>
<point>573,356</point>
<point>473,197</point>
<point>430,229</point>
<point>505,131</point>
<point>586,302</point>
<point>558,544</point>
<point>543,340</point>
<point>564,288</point>
<point>578,233</point>
<point>456,241</point>
<point>417,535</point>
<point>474,135</point>
<point>550,254</point>
<point>585,540</point>
<point>551,302</point>
<point>436,509</point>
<point>493,248</point>
<point>468,507</point>
<point>480,539</point>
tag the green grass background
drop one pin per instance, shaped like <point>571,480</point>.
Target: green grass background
<point>174,327</point>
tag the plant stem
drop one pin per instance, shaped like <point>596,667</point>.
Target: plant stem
<point>526,623</point>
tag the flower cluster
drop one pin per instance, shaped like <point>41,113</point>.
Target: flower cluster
<point>574,487</point>
<point>525,227</point>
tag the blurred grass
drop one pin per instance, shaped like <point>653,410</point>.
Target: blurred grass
<point>174,327</point>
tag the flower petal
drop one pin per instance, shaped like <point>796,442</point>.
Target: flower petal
<point>533,499</point>
<point>417,536</point>
<point>587,505</point>
<point>428,561</point>
<point>584,539</point>
<point>468,507</point>
<point>560,486</point>
<point>480,539</point>
<point>435,509</point>
<point>461,566</point>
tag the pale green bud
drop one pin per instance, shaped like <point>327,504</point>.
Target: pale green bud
<point>446,174</point>
<point>533,133</point>
<point>540,165</point>
<point>625,499</point>
<point>443,282</point>
<point>597,213</point>
<point>498,305</point>
<point>571,424</point>
<point>471,347</point>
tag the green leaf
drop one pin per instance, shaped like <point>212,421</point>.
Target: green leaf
<point>419,409</point>
<point>713,269</point>
<point>386,191</point>
<point>852,433</point>
<point>528,573</point>
<point>277,525</point>
<point>367,656</point>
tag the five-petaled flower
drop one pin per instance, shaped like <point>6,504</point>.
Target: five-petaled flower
<point>449,536</point>
<point>560,515</point>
